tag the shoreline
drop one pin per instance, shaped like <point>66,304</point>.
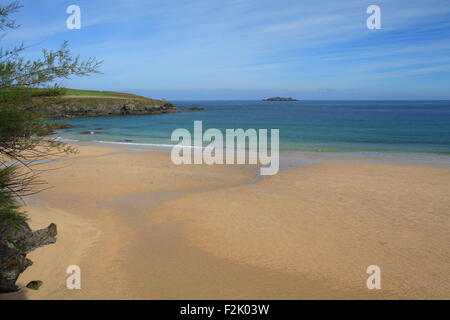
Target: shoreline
<point>300,158</point>
<point>341,130</point>
<point>142,228</point>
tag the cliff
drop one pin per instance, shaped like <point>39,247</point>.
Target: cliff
<point>83,103</point>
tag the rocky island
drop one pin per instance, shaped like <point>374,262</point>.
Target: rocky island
<point>280,99</point>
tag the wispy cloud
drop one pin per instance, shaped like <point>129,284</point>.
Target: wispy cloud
<point>198,44</point>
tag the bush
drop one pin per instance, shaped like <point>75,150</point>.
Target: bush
<point>25,91</point>
<point>10,215</point>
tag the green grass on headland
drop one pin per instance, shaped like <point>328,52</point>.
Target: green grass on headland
<point>65,102</point>
<point>92,93</point>
<point>76,93</point>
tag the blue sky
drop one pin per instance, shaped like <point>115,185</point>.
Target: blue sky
<point>250,49</point>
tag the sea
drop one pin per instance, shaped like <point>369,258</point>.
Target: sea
<point>407,131</point>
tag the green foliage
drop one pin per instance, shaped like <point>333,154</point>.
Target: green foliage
<point>5,11</point>
<point>75,92</point>
<point>72,92</point>
<point>35,285</point>
<point>9,213</point>
<point>48,92</point>
<point>18,117</point>
<point>16,71</point>
<point>92,93</point>
<point>25,91</point>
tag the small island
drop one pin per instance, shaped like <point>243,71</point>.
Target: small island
<point>280,99</point>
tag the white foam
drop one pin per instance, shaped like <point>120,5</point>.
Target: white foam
<point>66,140</point>
<point>138,144</point>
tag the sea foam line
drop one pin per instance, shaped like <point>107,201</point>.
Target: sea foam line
<point>138,144</point>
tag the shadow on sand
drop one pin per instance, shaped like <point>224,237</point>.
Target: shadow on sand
<point>18,295</point>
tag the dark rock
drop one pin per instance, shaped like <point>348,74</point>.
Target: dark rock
<point>58,126</point>
<point>194,109</point>
<point>95,107</point>
<point>125,110</point>
<point>280,99</point>
<point>87,132</point>
<point>34,285</point>
<point>51,127</point>
<point>66,126</point>
<point>15,243</point>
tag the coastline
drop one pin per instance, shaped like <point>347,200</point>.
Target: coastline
<point>292,159</point>
<point>142,228</point>
<point>341,130</point>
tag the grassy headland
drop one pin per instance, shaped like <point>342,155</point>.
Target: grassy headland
<point>95,93</point>
<point>90,103</point>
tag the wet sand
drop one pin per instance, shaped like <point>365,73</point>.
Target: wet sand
<point>142,228</point>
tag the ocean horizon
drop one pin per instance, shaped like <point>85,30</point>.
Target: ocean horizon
<point>412,130</point>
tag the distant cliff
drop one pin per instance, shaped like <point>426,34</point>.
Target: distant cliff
<point>86,103</point>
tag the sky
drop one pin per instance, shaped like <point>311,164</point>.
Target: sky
<point>250,49</point>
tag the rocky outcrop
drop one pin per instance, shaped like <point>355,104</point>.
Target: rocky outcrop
<point>195,109</point>
<point>15,243</point>
<point>280,99</point>
<point>94,107</point>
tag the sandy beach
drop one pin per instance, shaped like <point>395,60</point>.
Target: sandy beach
<point>141,227</point>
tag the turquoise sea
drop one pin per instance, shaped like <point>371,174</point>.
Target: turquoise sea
<point>417,130</point>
